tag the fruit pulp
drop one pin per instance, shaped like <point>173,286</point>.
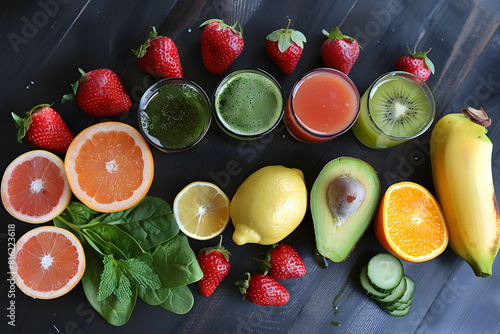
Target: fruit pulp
<point>175,116</point>
<point>322,105</point>
<point>397,107</point>
<point>248,104</point>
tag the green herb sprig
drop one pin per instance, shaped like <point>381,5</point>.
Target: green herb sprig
<point>137,252</point>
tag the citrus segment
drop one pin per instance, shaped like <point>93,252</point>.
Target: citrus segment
<point>109,166</point>
<point>34,187</point>
<point>201,210</point>
<point>47,262</point>
<point>410,223</point>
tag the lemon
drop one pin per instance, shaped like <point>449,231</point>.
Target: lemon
<point>201,210</point>
<point>268,205</point>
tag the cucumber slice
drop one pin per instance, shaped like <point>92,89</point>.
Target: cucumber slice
<point>393,307</point>
<point>410,289</point>
<point>385,272</point>
<point>365,283</point>
<point>401,311</point>
<point>395,295</point>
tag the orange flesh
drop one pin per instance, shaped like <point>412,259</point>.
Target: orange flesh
<point>109,167</point>
<point>35,187</point>
<point>58,253</point>
<point>414,222</point>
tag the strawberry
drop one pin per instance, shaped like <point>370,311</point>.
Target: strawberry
<point>43,127</point>
<point>339,51</point>
<point>220,44</point>
<point>100,93</point>
<point>284,47</point>
<point>262,289</point>
<point>214,262</point>
<point>417,63</point>
<point>158,56</point>
<point>283,262</point>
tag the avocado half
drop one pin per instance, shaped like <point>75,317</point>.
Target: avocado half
<point>344,200</point>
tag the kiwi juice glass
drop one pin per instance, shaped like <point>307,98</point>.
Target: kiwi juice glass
<point>248,104</point>
<point>397,107</point>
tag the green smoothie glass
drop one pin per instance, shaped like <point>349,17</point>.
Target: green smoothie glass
<point>248,104</point>
<point>397,107</point>
<point>174,114</point>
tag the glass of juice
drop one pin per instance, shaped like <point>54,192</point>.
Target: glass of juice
<point>322,105</point>
<point>397,107</point>
<point>174,114</point>
<point>248,104</point>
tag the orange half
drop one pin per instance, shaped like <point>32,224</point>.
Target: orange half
<point>109,166</point>
<point>410,223</point>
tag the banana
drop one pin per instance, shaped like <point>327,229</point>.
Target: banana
<point>462,172</point>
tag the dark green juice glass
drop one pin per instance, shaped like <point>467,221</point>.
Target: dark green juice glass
<point>174,114</point>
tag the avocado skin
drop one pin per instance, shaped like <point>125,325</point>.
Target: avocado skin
<point>333,240</point>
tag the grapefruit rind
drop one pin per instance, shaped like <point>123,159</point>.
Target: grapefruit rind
<point>73,177</point>
<point>54,293</point>
<point>6,200</point>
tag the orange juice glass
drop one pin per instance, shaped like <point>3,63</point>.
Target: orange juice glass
<point>322,105</point>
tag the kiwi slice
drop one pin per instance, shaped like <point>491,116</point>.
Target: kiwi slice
<point>400,106</point>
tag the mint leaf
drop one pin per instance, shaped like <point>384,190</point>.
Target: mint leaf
<point>109,278</point>
<point>123,291</point>
<point>140,273</point>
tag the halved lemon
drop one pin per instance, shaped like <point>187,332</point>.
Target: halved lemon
<point>201,210</point>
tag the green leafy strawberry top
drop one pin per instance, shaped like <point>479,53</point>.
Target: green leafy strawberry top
<point>141,50</point>
<point>285,38</point>
<point>337,34</point>
<point>23,124</point>
<point>422,54</point>
<point>74,87</point>
<point>225,252</point>
<point>223,26</point>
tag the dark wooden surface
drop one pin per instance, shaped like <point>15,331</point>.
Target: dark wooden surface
<point>44,42</point>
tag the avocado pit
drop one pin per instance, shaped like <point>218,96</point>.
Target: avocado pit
<point>345,195</point>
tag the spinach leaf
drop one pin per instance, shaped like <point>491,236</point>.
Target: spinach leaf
<point>151,222</point>
<point>78,213</point>
<point>180,300</point>
<point>110,308</point>
<point>130,253</point>
<point>175,263</point>
<point>102,246</point>
<point>122,240</point>
<point>153,296</point>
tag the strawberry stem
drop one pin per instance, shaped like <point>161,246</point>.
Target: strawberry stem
<point>288,25</point>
